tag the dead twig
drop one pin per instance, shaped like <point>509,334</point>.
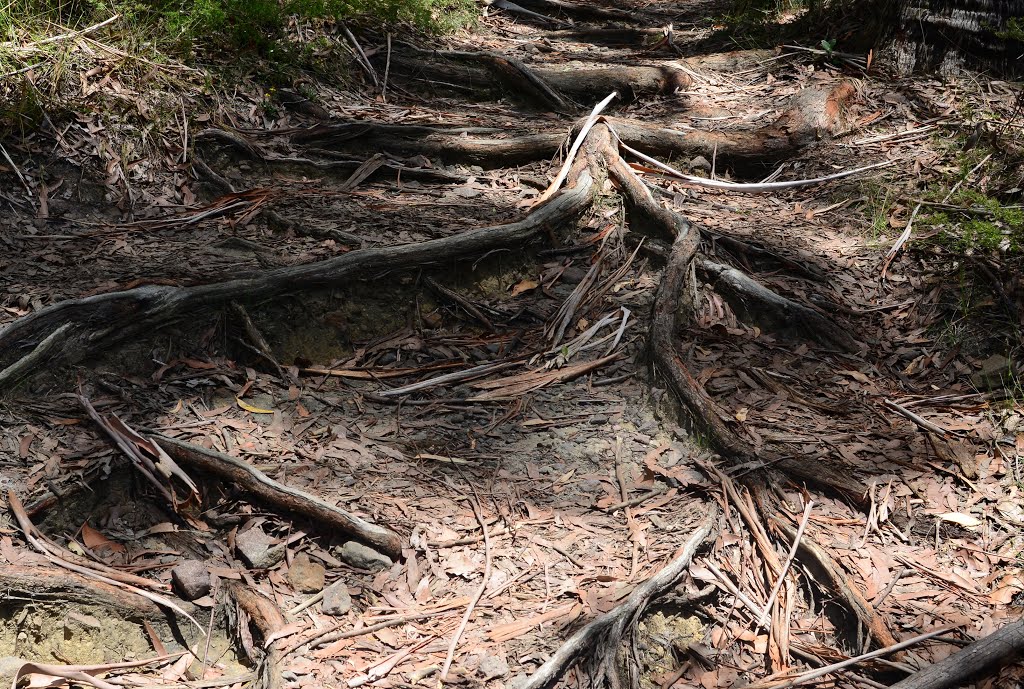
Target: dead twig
<point>476,598</point>
<point>608,629</point>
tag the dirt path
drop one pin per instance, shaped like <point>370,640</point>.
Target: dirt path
<point>489,378</point>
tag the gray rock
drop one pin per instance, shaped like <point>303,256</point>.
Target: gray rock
<point>492,666</point>
<point>363,557</point>
<point>191,579</point>
<point>337,600</point>
<point>700,163</point>
<point>520,680</point>
<point>306,576</point>
<point>995,373</point>
<point>259,550</point>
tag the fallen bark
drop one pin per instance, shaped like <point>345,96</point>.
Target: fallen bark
<point>268,490</point>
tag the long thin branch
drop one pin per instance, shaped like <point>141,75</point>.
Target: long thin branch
<point>748,187</point>
<point>476,598</point>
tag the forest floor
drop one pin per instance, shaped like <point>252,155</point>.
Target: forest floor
<point>739,382</point>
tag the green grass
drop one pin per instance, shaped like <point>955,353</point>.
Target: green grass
<point>148,42</point>
<point>980,222</point>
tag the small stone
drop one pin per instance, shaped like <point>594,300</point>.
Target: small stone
<point>700,163</point>
<point>995,373</point>
<point>337,600</point>
<point>598,420</point>
<point>363,557</point>
<point>191,579</point>
<point>259,550</point>
<point>492,666</point>
<point>306,576</point>
<point>520,680</point>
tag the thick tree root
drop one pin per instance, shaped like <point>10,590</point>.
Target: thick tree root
<point>46,584</point>
<point>827,572</point>
<point>708,418</point>
<point>91,325</point>
<point>545,86</point>
<point>812,114</point>
<point>995,650</point>
<point>269,620</point>
<point>579,10</point>
<point>755,303</point>
<point>446,145</point>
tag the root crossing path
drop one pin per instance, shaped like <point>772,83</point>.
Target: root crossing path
<point>554,355</point>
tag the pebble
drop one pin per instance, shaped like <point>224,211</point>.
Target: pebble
<point>337,600</point>
<point>362,557</point>
<point>259,550</point>
<point>191,579</point>
<point>306,576</point>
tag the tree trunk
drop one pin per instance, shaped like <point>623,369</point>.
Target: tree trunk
<point>948,35</point>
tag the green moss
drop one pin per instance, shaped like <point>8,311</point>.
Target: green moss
<point>1014,30</point>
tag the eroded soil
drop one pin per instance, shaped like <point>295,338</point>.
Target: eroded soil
<point>586,483</point>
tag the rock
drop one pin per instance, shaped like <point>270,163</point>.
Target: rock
<point>259,550</point>
<point>306,576</point>
<point>363,557</point>
<point>191,579</point>
<point>995,373</point>
<point>492,666</point>
<point>337,600</point>
<point>700,163</point>
<point>520,680</point>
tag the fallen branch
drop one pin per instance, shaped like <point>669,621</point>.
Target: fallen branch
<point>258,484</point>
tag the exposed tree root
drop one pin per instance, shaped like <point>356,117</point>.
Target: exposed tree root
<point>828,573</point>
<point>993,651</point>
<point>572,9</point>
<point>438,143</point>
<point>213,142</point>
<point>708,418</point>
<point>545,86</point>
<point>812,114</point>
<point>44,584</point>
<point>599,642</point>
<point>267,618</point>
<point>755,303</point>
<point>73,330</point>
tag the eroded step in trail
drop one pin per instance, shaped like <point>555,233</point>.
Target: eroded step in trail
<point>457,374</point>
